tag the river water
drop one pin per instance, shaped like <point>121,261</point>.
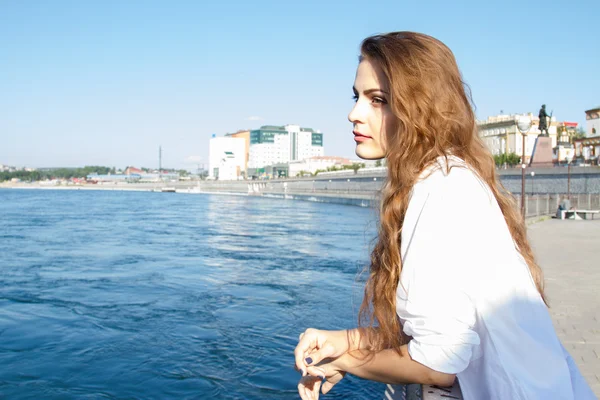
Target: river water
<point>140,295</point>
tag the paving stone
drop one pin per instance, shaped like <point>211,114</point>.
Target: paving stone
<point>569,255</point>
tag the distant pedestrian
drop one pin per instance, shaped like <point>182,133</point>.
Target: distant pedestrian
<point>454,290</point>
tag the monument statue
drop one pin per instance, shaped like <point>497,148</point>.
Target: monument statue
<point>544,120</point>
<point>541,155</point>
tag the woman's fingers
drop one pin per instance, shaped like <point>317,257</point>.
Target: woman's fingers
<point>308,388</point>
<point>307,344</point>
<point>318,355</point>
<point>316,372</point>
<point>302,392</point>
<point>327,387</point>
<point>331,381</point>
<point>316,389</point>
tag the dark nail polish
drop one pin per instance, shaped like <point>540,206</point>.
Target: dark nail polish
<point>308,360</point>
<point>321,377</point>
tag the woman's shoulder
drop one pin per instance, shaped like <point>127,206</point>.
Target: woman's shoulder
<point>450,174</point>
<point>452,181</point>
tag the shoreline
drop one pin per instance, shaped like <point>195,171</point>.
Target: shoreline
<point>361,200</point>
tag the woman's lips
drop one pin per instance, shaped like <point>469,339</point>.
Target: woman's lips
<point>360,137</point>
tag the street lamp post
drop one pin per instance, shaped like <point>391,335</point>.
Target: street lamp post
<point>569,179</point>
<point>524,125</point>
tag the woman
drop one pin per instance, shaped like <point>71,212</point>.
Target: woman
<point>454,290</point>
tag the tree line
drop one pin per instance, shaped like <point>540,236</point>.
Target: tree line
<point>68,173</point>
<point>56,173</point>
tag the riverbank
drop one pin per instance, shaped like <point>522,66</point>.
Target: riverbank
<point>243,188</point>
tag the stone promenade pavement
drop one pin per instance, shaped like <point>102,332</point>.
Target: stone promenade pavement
<point>569,253</point>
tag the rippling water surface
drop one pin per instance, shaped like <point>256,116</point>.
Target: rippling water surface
<point>107,295</point>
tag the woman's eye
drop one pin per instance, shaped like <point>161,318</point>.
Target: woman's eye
<point>378,100</point>
<point>355,97</point>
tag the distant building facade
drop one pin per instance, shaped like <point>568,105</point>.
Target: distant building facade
<point>97,178</point>
<point>501,135</point>
<point>313,164</point>
<point>587,150</point>
<point>271,145</point>
<point>592,119</point>
<point>226,158</point>
<point>133,170</point>
<point>243,134</point>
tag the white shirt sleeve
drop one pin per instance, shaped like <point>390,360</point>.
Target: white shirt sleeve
<point>443,229</point>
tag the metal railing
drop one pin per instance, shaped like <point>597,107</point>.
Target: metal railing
<point>547,204</point>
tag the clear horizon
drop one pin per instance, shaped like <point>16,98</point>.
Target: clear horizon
<point>108,83</point>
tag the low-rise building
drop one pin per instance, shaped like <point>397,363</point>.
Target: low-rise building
<point>133,170</point>
<point>113,178</point>
<point>312,164</point>
<point>587,150</point>
<point>227,158</point>
<point>592,119</point>
<point>243,134</point>
<point>502,136</point>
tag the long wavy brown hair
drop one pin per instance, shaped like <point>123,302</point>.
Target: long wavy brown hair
<point>434,117</point>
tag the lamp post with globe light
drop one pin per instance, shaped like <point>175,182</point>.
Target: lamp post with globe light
<point>569,178</point>
<point>524,125</point>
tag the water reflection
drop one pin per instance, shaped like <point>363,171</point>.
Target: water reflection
<point>152,295</point>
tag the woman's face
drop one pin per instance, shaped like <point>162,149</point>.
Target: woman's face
<point>371,115</point>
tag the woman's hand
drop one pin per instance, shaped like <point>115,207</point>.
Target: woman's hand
<point>315,355</point>
<point>309,385</point>
<point>316,345</point>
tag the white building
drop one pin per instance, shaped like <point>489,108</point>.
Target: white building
<point>281,144</point>
<point>226,158</point>
<point>564,152</point>
<point>501,135</point>
<point>312,164</point>
<point>592,119</point>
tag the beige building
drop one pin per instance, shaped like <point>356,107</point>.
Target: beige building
<point>243,134</point>
<point>501,135</point>
<point>592,119</point>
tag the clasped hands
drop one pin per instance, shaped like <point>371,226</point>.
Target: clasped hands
<point>318,357</point>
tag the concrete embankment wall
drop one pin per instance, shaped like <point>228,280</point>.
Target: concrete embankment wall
<point>363,190</point>
<point>583,180</point>
<point>541,189</point>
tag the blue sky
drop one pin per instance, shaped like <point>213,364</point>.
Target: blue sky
<point>107,82</point>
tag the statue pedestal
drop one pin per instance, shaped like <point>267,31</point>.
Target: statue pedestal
<point>542,153</point>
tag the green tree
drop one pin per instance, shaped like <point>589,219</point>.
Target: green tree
<point>56,173</point>
<point>356,166</point>
<point>510,159</point>
<point>579,133</point>
<point>513,159</point>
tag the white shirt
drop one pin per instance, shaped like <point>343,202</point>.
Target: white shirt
<point>468,300</point>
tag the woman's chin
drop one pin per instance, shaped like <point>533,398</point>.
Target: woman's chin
<point>366,153</point>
